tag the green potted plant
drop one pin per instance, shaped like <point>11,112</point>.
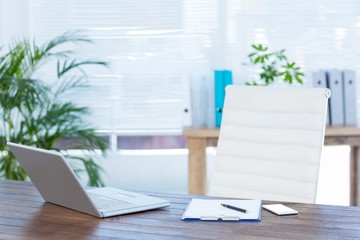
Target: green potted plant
<point>34,113</point>
<point>274,66</point>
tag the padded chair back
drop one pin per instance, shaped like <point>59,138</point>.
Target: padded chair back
<point>270,143</point>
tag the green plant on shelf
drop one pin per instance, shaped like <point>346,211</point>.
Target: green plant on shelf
<point>274,66</point>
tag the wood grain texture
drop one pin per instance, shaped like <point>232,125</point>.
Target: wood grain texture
<point>197,165</point>
<point>329,132</point>
<point>25,215</point>
<point>354,175</point>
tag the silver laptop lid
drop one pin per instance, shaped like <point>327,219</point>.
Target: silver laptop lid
<point>53,178</point>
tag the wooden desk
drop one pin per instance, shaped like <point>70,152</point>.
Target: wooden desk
<point>199,139</point>
<point>25,215</point>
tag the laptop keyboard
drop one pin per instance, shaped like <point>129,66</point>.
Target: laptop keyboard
<point>106,204</point>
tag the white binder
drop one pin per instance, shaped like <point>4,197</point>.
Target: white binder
<point>336,85</point>
<point>210,95</point>
<point>196,94</point>
<point>320,81</point>
<point>202,103</point>
<point>350,97</point>
<point>186,102</point>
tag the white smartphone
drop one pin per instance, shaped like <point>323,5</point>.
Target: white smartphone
<point>280,209</point>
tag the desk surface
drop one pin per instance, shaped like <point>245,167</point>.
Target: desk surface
<point>25,215</point>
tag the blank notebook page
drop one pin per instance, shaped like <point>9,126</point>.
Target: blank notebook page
<point>199,208</point>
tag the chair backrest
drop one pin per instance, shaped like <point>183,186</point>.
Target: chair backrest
<point>270,143</point>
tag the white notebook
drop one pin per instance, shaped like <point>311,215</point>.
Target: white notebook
<point>212,210</point>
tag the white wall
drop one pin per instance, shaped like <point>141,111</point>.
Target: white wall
<point>147,170</point>
<point>334,176</point>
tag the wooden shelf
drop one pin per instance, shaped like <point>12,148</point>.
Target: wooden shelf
<point>214,132</point>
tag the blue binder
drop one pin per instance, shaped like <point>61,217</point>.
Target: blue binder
<point>222,79</point>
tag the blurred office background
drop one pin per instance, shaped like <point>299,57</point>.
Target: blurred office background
<point>152,45</point>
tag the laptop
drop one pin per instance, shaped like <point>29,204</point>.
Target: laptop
<point>58,184</point>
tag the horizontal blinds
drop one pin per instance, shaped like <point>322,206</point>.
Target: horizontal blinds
<point>150,45</point>
<point>14,20</point>
<point>316,34</point>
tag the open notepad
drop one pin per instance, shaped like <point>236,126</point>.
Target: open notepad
<point>212,210</point>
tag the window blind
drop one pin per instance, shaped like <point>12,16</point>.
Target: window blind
<point>317,34</point>
<point>152,45</point>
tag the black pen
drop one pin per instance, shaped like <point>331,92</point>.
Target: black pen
<point>234,208</point>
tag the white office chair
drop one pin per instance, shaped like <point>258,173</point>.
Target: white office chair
<point>270,143</point>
